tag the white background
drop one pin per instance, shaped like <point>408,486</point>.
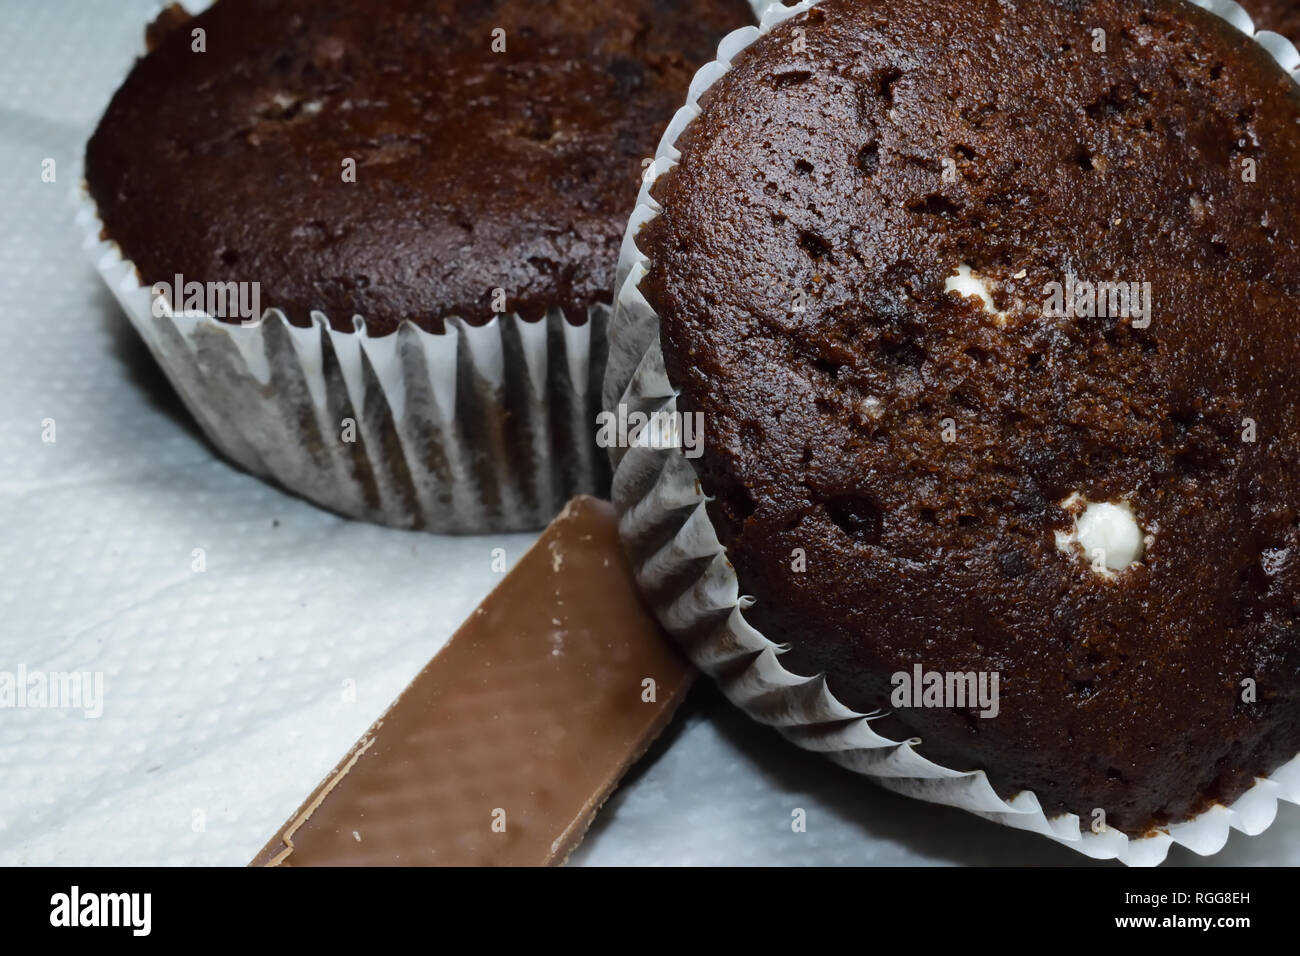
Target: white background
<point>224,688</point>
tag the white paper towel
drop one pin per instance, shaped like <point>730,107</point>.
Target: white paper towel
<point>224,689</point>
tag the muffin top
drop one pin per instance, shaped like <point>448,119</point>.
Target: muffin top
<point>861,270</point>
<point>476,168</point>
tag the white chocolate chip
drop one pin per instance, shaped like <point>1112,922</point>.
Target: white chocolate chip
<point>968,284</point>
<point>1112,530</point>
<point>1108,534</point>
<point>871,408</point>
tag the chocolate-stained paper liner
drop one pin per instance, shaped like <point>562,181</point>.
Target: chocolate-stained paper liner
<point>683,569</point>
<point>479,429</point>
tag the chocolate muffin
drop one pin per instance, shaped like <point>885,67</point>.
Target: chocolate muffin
<point>939,434</point>
<point>497,144</point>
<point>1279,16</point>
<point>402,164</point>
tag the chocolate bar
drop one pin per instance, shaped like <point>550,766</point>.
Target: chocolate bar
<point>509,740</point>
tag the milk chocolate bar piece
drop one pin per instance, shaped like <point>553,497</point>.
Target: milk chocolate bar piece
<point>504,747</point>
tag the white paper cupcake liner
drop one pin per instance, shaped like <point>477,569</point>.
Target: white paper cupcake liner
<point>479,429</point>
<point>683,568</point>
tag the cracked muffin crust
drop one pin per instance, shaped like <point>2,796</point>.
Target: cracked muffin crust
<point>852,269</point>
<point>475,169</point>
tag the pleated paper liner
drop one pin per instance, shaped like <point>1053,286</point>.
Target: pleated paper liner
<point>478,429</point>
<point>683,569</point>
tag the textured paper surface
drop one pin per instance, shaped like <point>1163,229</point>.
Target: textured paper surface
<point>224,689</point>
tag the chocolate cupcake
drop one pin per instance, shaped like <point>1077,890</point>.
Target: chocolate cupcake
<point>986,314</point>
<point>428,198</point>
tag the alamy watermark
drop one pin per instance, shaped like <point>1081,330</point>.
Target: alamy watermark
<point>1114,299</point>
<point>53,690</point>
<point>133,911</point>
<point>662,429</point>
<point>945,689</point>
<point>221,300</point>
